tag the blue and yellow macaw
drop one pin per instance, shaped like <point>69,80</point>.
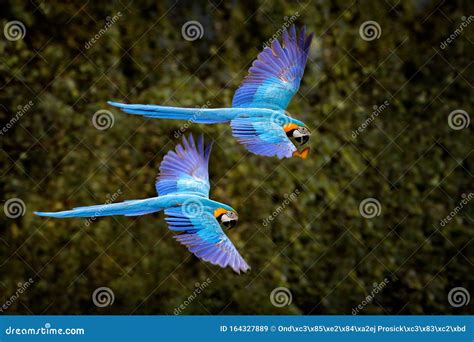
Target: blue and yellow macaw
<point>183,193</point>
<point>258,116</point>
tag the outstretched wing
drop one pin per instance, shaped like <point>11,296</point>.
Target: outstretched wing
<point>185,170</point>
<point>276,74</point>
<point>262,136</point>
<point>200,232</point>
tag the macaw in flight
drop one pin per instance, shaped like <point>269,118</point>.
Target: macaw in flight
<point>183,193</point>
<point>258,116</point>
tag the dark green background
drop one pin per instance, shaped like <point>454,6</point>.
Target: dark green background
<point>319,247</point>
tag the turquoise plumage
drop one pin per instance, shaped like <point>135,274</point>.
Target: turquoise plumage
<point>258,115</point>
<point>183,194</point>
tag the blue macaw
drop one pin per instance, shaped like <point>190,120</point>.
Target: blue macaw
<point>258,116</point>
<point>183,193</point>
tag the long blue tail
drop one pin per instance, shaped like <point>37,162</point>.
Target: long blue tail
<point>127,208</point>
<point>198,115</point>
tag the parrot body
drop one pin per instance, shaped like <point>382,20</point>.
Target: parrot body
<point>183,194</point>
<point>137,207</point>
<point>258,116</point>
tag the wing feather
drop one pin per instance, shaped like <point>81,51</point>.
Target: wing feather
<point>262,136</point>
<point>275,76</point>
<point>185,170</point>
<point>203,236</point>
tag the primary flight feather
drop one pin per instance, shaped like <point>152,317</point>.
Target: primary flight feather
<point>183,194</point>
<point>258,116</point>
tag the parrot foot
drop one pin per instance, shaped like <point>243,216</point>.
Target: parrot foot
<point>303,154</point>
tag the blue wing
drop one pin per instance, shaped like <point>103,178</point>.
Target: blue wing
<point>262,136</point>
<point>276,74</point>
<point>185,170</point>
<point>203,236</point>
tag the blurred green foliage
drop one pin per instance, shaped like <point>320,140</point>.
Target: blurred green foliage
<point>319,246</point>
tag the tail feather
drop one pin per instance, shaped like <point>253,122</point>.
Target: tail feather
<point>127,208</point>
<point>198,115</point>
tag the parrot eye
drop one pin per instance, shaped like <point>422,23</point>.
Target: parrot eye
<point>229,219</point>
<point>301,135</point>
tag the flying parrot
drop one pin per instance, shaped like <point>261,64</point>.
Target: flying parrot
<point>183,194</point>
<point>258,116</point>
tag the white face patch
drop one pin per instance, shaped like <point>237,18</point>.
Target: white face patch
<point>229,219</point>
<point>297,134</point>
<point>301,135</point>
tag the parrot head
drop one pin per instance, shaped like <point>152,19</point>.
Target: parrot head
<point>301,135</point>
<point>228,218</point>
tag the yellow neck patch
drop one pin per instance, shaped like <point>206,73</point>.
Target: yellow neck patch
<point>219,211</point>
<point>290,127</point>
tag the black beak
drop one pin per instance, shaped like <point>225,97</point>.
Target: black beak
<point>302,140</point>
<point>230,224</point>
